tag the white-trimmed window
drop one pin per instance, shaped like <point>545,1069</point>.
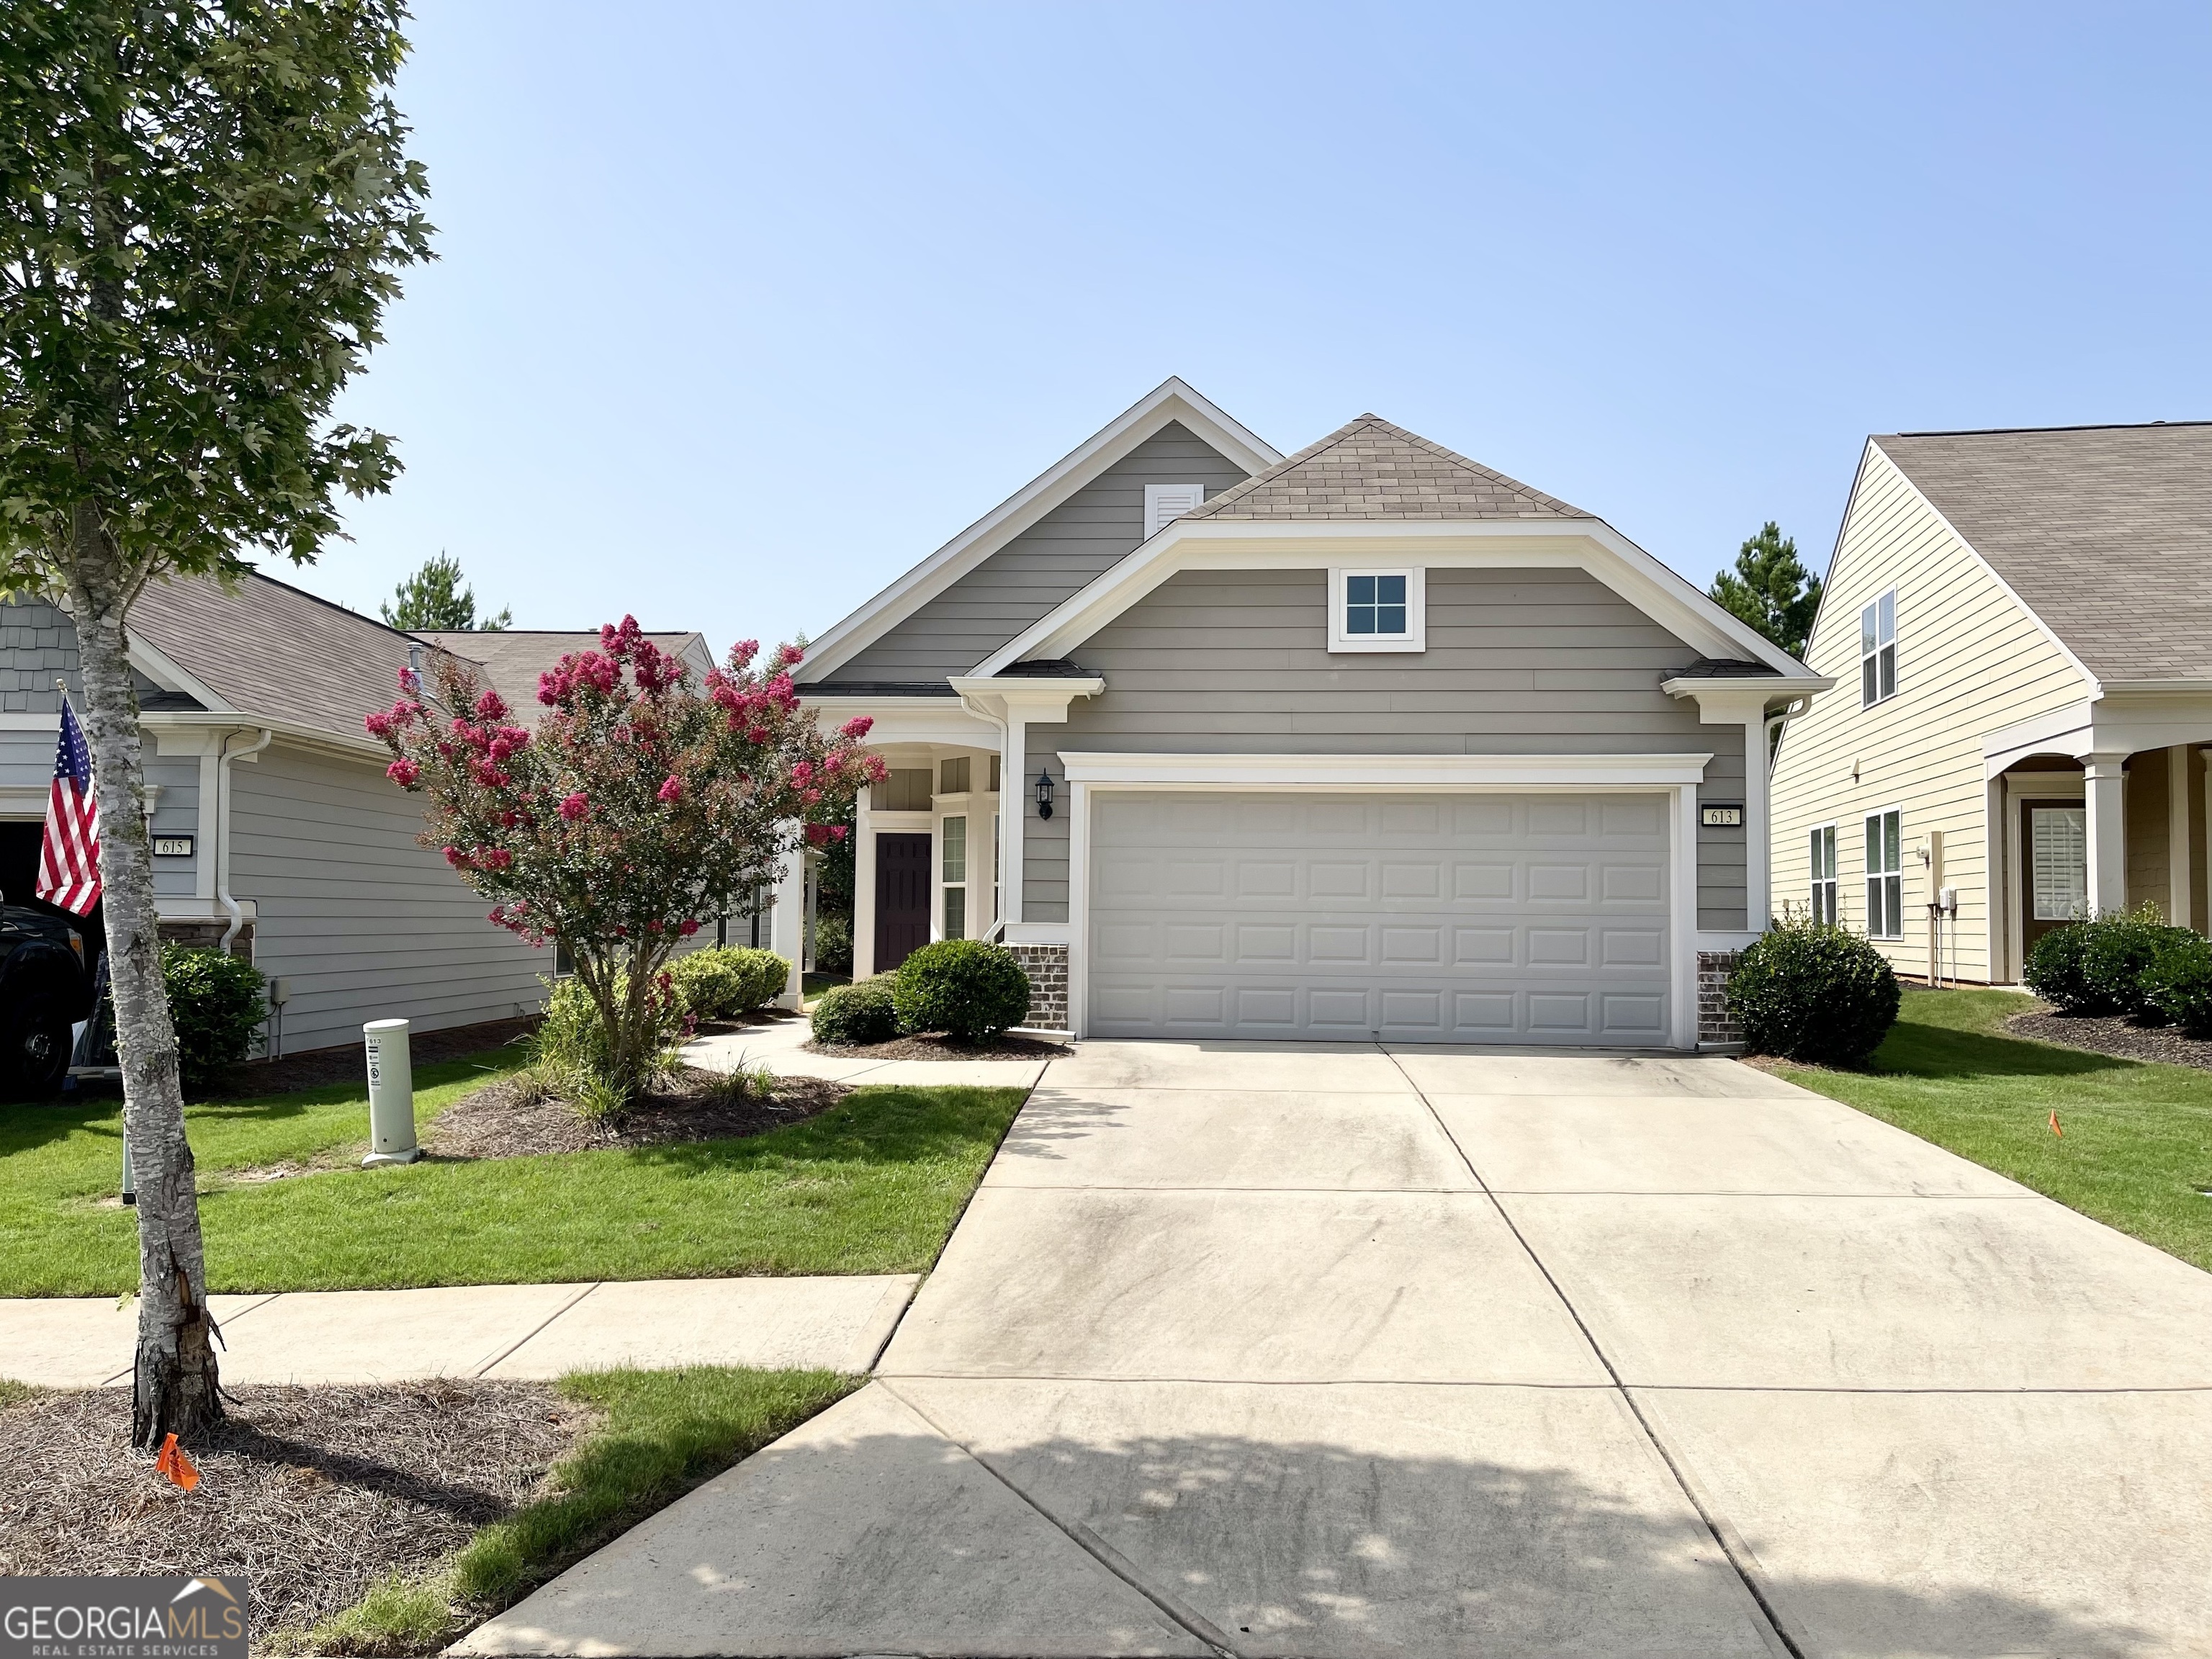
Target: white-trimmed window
<point>1878,650</point>
<point>954,841</point>
<point>1376,609</point>
<point>1164,503</point>
<point>1824,874</point>
<point>1885,874</point>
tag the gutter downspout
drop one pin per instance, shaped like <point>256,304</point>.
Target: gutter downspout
<point>222,830</point>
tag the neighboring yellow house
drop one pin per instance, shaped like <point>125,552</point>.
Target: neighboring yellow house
<point>2020,624</point>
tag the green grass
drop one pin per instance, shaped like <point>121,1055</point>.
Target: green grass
<point>2138,1141</point>
<point>663,1433</point>
<point>872,1186</point>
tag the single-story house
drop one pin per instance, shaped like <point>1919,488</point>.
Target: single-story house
<point>275,830</point>
<point>2022,625</point>
<point>1370,740</point>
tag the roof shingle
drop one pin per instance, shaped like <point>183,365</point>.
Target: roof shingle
<point>1370,469</point>
<point>2106,532</point>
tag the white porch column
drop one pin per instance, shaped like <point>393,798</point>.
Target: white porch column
<point>1759,858</point>
<point>1013,751</point>
<point>2178,873</point>
<point>2102,784</point>
<point>787,923</point>
<point>863,890</point>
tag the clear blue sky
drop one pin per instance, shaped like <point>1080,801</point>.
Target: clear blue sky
<point>742,310</point>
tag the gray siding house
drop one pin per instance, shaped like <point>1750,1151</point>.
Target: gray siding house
<point>1369,740</point>
<point>278,831</point>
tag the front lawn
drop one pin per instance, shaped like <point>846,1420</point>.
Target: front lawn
<point>2136,1149</point>
<point>873,1185</point>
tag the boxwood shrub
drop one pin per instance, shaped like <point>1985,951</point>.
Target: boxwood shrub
<point>964,988</point>
<point>1810,991</point>
<point>726,980</point>
<point>2103,965</point>
<point>216,1003</point>
<point>2178,984</point>
<point>852,1015</point>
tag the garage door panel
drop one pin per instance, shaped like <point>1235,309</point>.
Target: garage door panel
<point>1448,917</point>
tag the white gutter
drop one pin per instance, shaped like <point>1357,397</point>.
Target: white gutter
<point>222,830</point>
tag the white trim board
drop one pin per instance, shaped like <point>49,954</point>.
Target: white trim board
<point>1171,401</point>
<point>1588,544</point>
<point>1580,773</point>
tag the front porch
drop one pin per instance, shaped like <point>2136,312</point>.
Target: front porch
<point>2105,808</point>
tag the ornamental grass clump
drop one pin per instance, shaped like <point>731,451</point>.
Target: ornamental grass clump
<point>638,803</point>
<point>964,988</point>
<point>1812,992</point>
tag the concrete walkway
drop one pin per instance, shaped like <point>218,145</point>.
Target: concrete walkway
<point>778,1044</point>
<point>837,1324</point>
<point>1266,1350</point>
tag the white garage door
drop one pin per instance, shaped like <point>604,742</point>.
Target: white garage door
<point>1418,917</point>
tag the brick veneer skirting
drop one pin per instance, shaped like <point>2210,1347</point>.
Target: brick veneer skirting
<point>1047,967</point>
<point>208,936</point>
<point>1715,1022</point>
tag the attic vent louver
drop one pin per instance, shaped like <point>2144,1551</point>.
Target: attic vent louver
<point>1164,502</point>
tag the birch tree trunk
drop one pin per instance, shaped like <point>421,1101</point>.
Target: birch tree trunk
<point>174,1389</point>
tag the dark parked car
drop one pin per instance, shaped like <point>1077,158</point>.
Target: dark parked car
<point>45,987</point>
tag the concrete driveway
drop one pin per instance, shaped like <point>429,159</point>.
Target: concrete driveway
<point>1292,1349</point>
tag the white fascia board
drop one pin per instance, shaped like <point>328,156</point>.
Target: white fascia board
<point>170,676</point>
<point>2012,594</point>
<point>1589,544</point>
<point>1041,700</point>
<point>1721,701</point>
<point>177,731</point>
<point>1171,400</point>
<point>945,720</point>
<point>1202,771</point>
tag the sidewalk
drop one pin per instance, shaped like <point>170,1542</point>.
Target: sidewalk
<point>778,1047</point>
<point>835,1323</point>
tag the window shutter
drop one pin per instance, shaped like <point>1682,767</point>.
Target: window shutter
<point>1166,502</point>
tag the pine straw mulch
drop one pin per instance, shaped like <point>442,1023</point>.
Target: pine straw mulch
<point>2114,1035</point>
<point>315,1493</point>
<point>937,1046</point>
<point>510,1119</point>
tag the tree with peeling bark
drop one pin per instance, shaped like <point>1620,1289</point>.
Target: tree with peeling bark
<point>204,212</point>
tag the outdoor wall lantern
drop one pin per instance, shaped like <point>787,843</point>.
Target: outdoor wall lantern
<point>1044,793</point>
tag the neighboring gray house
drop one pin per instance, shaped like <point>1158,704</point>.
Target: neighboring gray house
<point>276,827</point>
<point>1371,740</point>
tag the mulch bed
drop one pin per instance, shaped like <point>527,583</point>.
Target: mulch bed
<point>506,1120</point>
<point>939,1047</point>
<point>2113,1035</point>
<point>314,1492</point>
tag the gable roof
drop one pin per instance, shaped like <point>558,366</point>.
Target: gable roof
<point>2104,531</point>
<point>1171,401</point>
<point>1368,470</point>
<point>513,658</point>
<point>267,649</point>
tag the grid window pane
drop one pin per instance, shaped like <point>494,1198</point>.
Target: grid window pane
<point>1888,660</point>
<point>956,849</point>
<point>955,913</point>
<point>1375,605</point>
<point>1868,637</point>
<point>1359,590</point>
<point>1886,624</point>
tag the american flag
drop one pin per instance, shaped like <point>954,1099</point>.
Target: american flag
<point>68,860</point>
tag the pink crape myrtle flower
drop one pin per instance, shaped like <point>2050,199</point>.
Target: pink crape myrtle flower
<point>574,805</point>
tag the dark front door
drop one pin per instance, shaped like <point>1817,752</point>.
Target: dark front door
<point>2054,847</point>
<point>901,898</point>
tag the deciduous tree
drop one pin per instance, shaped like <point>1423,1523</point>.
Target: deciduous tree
<point>636,805</point>
<point>205,210</point>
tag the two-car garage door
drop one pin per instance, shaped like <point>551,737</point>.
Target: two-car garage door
<point>1447,918</point>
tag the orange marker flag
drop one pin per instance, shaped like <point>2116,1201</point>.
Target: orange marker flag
<point>175,1467</point>
<point>2055,1129</point>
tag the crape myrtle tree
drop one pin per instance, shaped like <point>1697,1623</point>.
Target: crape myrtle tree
<point>204,209</point>
<point>636,805</point>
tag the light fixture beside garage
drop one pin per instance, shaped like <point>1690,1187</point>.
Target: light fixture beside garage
<point>1045,791</point>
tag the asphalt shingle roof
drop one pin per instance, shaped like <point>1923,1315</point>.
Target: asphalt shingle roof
<point>514,658</point>
<point>1370,469</point>
<point>2106,532</point>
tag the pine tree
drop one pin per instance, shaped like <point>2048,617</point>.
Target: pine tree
<point>1770,590</point>
<point>433,599</point>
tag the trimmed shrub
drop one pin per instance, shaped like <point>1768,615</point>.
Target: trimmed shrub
<point>725,981</point>
<point>2120,951</point>
<point>833,944</point>
<point>216,1003</point>
<point>852,1015</point>
<point>964,988</point>
<point>1809,991</point>
<point>2055,969</point>
<point>2178,982</point>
